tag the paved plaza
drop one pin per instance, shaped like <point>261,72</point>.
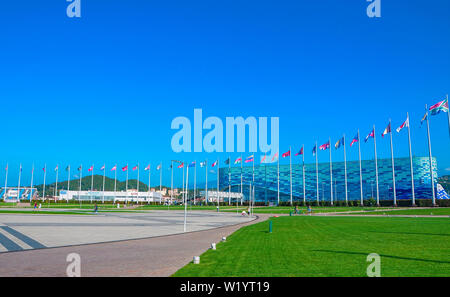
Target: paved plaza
<point>31,231</point>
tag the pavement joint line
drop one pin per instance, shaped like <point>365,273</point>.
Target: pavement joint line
<point>10,244</point>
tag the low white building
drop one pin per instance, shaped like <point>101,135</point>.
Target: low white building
<point>99,196</point>
<point>223,196</point>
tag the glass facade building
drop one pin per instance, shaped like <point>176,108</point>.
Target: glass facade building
<point>265,180</point>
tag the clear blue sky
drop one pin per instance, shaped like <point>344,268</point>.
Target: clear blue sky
<point>105,88</point>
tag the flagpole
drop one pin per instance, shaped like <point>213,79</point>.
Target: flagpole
<point>242,195</point>
<point>411,164</point>
<point>92,181</point>
<point>331,174</point>
<point>253,174</point>
<point>185,200</point>
<point>115,182</point>
<point>18,187</point>
<point>126,185</point>
<point>317,176</point>
<point>430,160</point>
<point>160,182</point>
<point>79,189</point>
<point>376,164</point>
<point>303,167</point>
<point>195,180</point>
<point>45,173</point>
<point>104,174</point>
<point>138,183</point>
<point>31,186</point>
<point>229,180</point>
<point>218,176</point>
<point>278,179</point>
<point>68,183</point>
<point>182,189</point>
<point>6,183</point>
<point>149,185</point>
<point>393,165</point>
<point>171,182</point>
<point>290,172</point>
<point>206,182</point>
<point>360,170</point>
<point>345,172</point>
<point>56,183</point>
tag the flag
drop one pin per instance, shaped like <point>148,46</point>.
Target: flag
<point>405,124</point>
<point>300,152</point>
<point>214,164</point>
<point>339,143</point>
<point>6,168</point>
<point>203,164</point>
<point>387,130</point>
<point>20,167</point>
<point>371,134</point>
<point>275,156</point>
<point>181,165</point>
<point>79,168</point>
<point>314,150</point>
<point>147,168</point>
<point>249,159</point>
<point>438,107</point>
<point>238,160</point>
<point>441,194</point>
<point>263,159</point>
<point>68,167</point>
<point>286,154</point>
<point>135,167</point>
<point>91,168</point>
<point>325,146</point>
<point>103,167</point>
<point>192,164</point>
<point>159,167</point>
<point>114,168</point>
<point>424,118</point>
<point>56,168</point>
<point>125,168</point>
<point>227,161</point>
<point>355,139</point>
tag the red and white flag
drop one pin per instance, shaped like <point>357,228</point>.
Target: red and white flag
<point>91,168</point>
<point>103,167</point>
<point>214,164</point>
<point>147,168</point>
<point>114,168</point>
<point>135,168</point>
<point>125,168</point>
<point>286,154</point>
<point>405,124</point>
<point>181,165</point>
<point>325,146</point>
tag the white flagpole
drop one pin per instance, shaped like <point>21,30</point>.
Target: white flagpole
<point>376,164</point>
<point>345,172</point>
<point>104,174</point>
<point>195,181</point>
<point>242,195</point>
<point>138,183</point>
<point>68,181</point>
<point>206,181</point>
<point>31,186</point>
<point>149,185</point>
<point>6,182</point>
<point>360,170</point>
<point>115,182</point>
<point>317,175</point>
<point>18,187</point>
<point>411,164</point>
<point>171,182</point>
<point>218,199</point>
<point>160,182</point>
<point>185,200</point>
<point>393,166</point>
<point>278,179</point>
<point>45,173</point>
<point>56,183</point>
<point>229,180</point>
<point>430,160</point>
<point>92,181</point>
<point>182,189</point>
<point>126,185</point>
<point>79,189</point>
<point>290,173</point>
<point>331,174</point>
<point>304,179</point>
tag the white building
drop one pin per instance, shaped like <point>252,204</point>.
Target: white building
<point>99,196</point>
<point>223,196</point>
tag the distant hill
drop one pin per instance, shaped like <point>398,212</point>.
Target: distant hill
<point>98,185</point>
<point>445,182</point>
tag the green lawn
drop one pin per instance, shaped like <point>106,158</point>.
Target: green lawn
<point>443,211</point>
<point>331,246</point>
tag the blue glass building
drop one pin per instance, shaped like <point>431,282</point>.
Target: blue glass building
<point>266,180</point>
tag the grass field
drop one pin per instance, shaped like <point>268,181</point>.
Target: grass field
<point>316,209</point>
<point>331,246</point>
<point>442,211</point>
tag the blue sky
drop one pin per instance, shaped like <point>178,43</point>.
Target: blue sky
<point>104,88</point>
